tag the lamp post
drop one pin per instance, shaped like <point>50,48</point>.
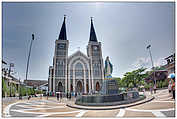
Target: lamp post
<point>148,47</point>
<point>10,66</point>
<point>20,95</point>
<point>29,58</point>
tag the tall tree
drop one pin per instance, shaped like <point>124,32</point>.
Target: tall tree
<point>136,77</point>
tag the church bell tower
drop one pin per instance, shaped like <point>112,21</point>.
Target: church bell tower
<point>94,52</point>
<point>60,61</point>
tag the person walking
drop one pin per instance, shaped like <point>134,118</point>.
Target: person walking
<point>151,89</point>
<point>70,96</point>
<point>170,86</point>
<point>144,91</point>
<point>154,88</point>
<point>58,96</point>
<point>47,95</point>
<point>173,87</point>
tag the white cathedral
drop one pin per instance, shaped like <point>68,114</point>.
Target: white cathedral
<point>78,72</point>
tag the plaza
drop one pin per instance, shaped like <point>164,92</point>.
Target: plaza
<point>161,106</point>
<point>110,60</point>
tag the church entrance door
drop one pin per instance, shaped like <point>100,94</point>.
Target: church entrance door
<point>87,88</point>
<point>71,88</point>
<point>60,87</point>
<point>97,86</point>
<point>79,86</point>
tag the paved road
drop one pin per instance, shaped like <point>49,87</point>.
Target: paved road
<point>161,106</point>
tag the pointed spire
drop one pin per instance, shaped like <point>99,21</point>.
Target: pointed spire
<point>92,32</point>
<point>62,35</point>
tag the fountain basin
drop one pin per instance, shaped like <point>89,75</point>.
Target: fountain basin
<point>109,100</point>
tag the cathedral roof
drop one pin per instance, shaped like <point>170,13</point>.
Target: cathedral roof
<point>62,35</point>
<point>78,53</point>
<point>92,32</point>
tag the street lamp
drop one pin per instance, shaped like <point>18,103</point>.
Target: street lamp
<point>10,66</point>
<point>29,56</point>
<point>148,47</point>
<point>20,95</point>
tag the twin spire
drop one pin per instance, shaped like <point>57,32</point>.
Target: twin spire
<point>62,35</point>
<point>92,32</point>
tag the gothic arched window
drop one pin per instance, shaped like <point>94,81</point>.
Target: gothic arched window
<point>79,71</point>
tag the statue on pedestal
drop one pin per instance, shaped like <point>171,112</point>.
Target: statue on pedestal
<point>108,69</point>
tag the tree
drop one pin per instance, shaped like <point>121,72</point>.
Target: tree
<point>4,87</point>
<point>119,82</point>
<point>135,78</point>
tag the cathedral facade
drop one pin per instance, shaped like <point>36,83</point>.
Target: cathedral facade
<point>78,72</point>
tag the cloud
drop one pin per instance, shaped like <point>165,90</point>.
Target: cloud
<point>160,62</point>
<point>146,63</point>
<point>142,62</point>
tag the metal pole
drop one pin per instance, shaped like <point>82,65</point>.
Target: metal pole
<point>9,69</point>
<point>20,90</point>
<point>10,80</point>
<point>29,56</point>
<point>152,65</point>
<point>28,61</point>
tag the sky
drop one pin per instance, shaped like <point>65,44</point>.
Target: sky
<point>124,29</point>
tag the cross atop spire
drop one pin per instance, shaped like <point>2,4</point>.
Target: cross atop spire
<point>62,35</point>
<point>92,32</point>
<point>91,18</point>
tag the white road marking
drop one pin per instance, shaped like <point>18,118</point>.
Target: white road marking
<point>158,114</point>
<point>137,110</point>
<point>163,101</point>
<point>21,111</point>
<point>43,115</point>
<point>121,113</point>
<point>40,106</point>
<point>81,113</point>
<point>162,96</point>
<point>160,92</point>
<point>44,108</point>
<point>166,98</point>
<point>7,109</point>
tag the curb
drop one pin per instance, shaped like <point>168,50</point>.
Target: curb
<point>110,108</point>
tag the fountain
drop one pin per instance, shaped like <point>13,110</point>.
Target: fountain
<point>109,94</point>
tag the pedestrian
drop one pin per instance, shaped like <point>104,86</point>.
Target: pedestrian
<point>154,88</point>
<point>151,89</point>
<point>169,86</point>
<point>67,95</point>
<point>58,96</point>
<point>29,97</point>
<point>40,96</point>
<point>144,91</point>
<point>75,95</point>
<point>70,95</point>
<point>173,87</point>
<point>47,95</point>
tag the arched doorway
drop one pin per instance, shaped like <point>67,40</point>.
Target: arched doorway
<point>79,86</point>
<point>97,86</point>
<point>60,87</point>
<point>87,88</point>
<point>71,88</point>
